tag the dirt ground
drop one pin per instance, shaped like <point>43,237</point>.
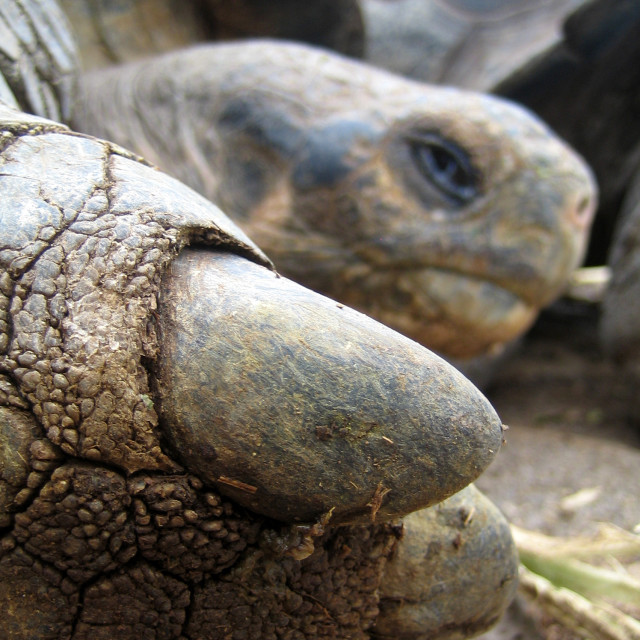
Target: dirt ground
<point>570,430</point>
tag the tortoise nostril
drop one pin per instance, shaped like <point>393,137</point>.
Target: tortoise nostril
<point>583,205</point>
<point>582,214</point>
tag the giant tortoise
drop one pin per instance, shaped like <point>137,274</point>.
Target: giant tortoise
<point>448,215</point>
<point>193,446</point>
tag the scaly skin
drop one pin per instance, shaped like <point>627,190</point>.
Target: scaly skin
<point>460,546</point>
<point>339,171</point>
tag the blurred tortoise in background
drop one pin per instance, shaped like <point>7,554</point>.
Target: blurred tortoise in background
<point>475,44</point>
<point>115,31</point>
<point>620,313</point>
<point>449,216</point>
<point>192,446</point>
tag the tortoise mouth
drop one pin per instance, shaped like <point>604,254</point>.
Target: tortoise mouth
<point>457,314</point>
<point>458,281</point>
<point>465,315</point>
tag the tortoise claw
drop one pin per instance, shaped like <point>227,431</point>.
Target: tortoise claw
<point>293,405</point>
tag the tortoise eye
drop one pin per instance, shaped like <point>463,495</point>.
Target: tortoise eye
<point>446,166</point>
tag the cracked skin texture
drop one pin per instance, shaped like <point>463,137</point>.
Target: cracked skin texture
<point>54,257</point>
<point>108,531</point>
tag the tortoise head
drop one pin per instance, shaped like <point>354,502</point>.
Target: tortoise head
<point>453,218</point>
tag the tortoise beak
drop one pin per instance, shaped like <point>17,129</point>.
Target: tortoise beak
<point>295,406</point>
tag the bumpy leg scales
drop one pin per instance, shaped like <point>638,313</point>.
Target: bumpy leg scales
<point>136,603</point>
<point>37,601</point>
<point>79,522</point>
<point>186,529</point>
<point>332,594</point>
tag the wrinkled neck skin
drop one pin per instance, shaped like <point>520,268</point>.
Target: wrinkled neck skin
<point>315,157</point>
